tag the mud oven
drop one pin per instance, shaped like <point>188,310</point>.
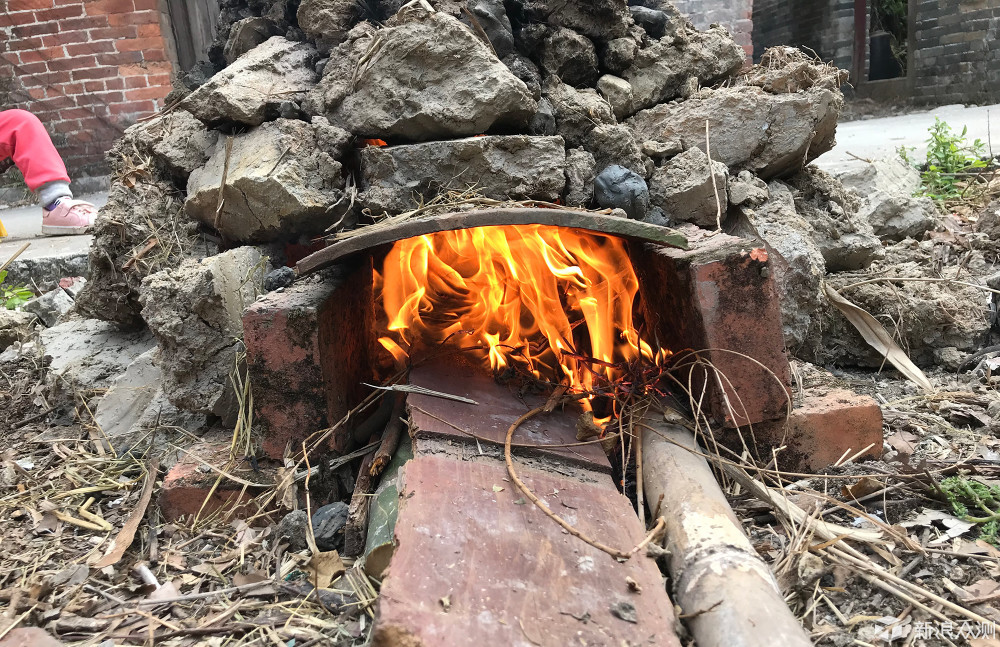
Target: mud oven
<point>624,291</point>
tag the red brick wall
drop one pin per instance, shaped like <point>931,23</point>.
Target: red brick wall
<point>87,68</point>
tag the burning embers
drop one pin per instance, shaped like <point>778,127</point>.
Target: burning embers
<point>553,302</point>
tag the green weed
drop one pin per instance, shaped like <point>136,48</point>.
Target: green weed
<point>950,159</point>
<point>967,496</point>
<point>13,296</point>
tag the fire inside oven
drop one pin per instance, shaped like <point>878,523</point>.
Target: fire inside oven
<point>551,304</point>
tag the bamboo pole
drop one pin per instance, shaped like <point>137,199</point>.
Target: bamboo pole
<point>727,594</point>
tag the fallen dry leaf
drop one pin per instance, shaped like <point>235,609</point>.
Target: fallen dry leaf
<point>124,538</point>
<point>861,488</point>
<point>878,338</point>
<point>324,568</point>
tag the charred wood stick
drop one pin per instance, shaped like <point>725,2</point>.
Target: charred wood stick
<point>356,528</point>
<point>140,254</point>
<point>362,434</point>
<point>720,582</point>
<point>390,438</point>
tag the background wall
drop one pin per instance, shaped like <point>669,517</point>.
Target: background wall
<point>734,15</point>
<point>86,68</point>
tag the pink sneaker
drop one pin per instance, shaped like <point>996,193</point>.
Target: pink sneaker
<point>68,217</point>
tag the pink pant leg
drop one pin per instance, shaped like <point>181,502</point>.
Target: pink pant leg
<point>23,137</point>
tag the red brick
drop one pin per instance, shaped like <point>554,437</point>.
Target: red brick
<point>94,86</point>
<point>133,108</point>
<point>25,31</point>
<point>36,93</point>
<point>65,38</point>
<point>495,559</point>
<point>305,358</point>
<point>30,56</point>
<point>190,490</point>
<point>29,637</point>
<point>79,62</point>
<point>106,7</point>
<point>23,5</point>
<point>145,93</point>
<point>93,47</point>
<point>75,113</point>
<point>72,88</point>
<point>114,33</point>
<point>82,23</point>
<point>58,13</point>
<point>719,296</point>
<point>151,30</point>
<point>24,43</point>
<point>115,84</point>
<point>156,55</point>
<point>67,126</point>
<point>56,102</point>
<point>148,6</point>
<point>134,18</point>
<point>158,79</point>
<point>827,426</point>
<point>93,73</point>
<point>139,44</point>
<point>136,82</point>
<point>119,58</point>
<point>53,78</point>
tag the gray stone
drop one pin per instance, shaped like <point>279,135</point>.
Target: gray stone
<point>798,267</point>
<point>599,20</point>
<point>887,188</point>
<point>50,306</point>
<point>544,121</point>
<point>251,90</point>
<point>15,326</point>
<point>427,77</point>
<point>617,92</point>
<point>492,17</point>
<point>499,167</point>
<point>616,144</point>
<point>280,277</point>
<point>896,218</point>
<point>328,526</point>
<point>617,55</point>
<point>659,150</point>
<point>292,530</point>
<point>770,135</point>
<point>657,217</point>
<point>75,286</point>
<point>616,187</point>
<point>653,21</point>
<point>181,142</point>
<point>571,57</point>
<point>90,354</point>
<point>195,312</point>
<point>660,71</point>
<point>131,392</point>
<point>246,34</point>
<point>279,181</point>
<point>577,111</point>
<point>581,170</point>
<point>327,21</point>
<point>747,190</point>
<point>846,240</point>
<point>686,190</point>
<point>524,69</point>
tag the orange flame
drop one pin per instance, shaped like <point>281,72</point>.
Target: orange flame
<point>557,302</point>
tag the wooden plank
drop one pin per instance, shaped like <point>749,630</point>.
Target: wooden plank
<point>381,234</point>
<point>498,408</point>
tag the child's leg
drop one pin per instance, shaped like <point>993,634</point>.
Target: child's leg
<point>23,137</point>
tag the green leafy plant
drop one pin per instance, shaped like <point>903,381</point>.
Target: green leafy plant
<point>967,496</point>
<point>13,296</point>
<point>949,158</point>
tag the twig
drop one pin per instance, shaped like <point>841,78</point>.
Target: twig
<point>715,189</point>
<point>14,256</point>
<point>31,419</point>
<point>390,438</point>
<point>614,552</point>
<point>419,390</point>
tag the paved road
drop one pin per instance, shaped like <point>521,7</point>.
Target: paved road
<point>873,138</point>
<point>25,224</point>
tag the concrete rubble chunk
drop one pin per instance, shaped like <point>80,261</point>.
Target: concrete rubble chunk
<point>798,267</point>
<point>279,181</point>
<point>581,169</point>
<point>90,354</point>
<point>616,144</point>
<point>659,72</point>
<point>327,21</point>
<point>770,135</point>
<point>492,17</point>
<point>686,190</point>
<point>617,92</point>
<point>499,167</point>
<point>747,190</point>
<point>887,188</point>
<point>570,56</point>
<point>50,306</point>
<point>181,142</point>
<point>424,76</point>
<point>617,55</point>
<point>846,240</point>
<point>577,111</point>
<point>195,312</point>
<point>15,326</point>
<point>599,20</point>
<point>251,90</point>
<point>246,34</point>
